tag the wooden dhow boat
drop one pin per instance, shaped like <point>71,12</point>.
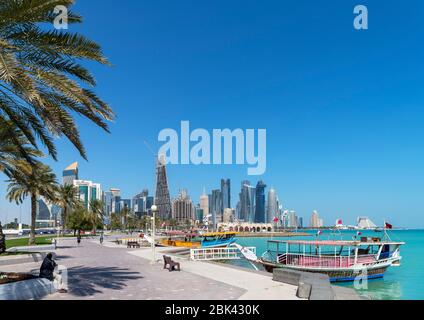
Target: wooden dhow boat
<point>367,258</point>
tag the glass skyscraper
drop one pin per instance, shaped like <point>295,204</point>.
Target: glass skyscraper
<point>70,174</point>
<point>247,202</point>
<point>260,202</point>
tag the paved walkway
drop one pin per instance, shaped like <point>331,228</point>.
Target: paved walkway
<point>115,272</point>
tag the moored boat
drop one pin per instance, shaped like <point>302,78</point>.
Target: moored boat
<point>367,258</point>
<point>195,240</point>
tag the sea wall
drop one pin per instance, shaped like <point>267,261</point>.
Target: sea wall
<point>314,286</point>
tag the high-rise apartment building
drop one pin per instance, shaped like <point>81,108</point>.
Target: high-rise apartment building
<point>183,208</point>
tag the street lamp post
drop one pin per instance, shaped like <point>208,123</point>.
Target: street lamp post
<point>154,209</point>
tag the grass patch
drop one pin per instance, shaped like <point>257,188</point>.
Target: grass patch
<point>22,242</point>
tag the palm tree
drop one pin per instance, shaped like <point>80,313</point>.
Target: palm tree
<point>42,81</point>
<point>125,214</point>
<point>13,148</point>
<point>67,199</point>
<point>96,213</point>
<point>35,181</point>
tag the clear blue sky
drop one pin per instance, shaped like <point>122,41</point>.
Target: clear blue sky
<point>343,109</point>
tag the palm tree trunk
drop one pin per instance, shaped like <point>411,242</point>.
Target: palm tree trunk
<point>33,217</point>
<point>64,218</point>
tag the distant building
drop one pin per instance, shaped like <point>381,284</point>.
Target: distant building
<point>300,224</point>
<point>107,202</point>
<point>225,194</point>
<point>228,215</point>
<point>204,203</point>
<point>315,222</point>
<point>88,191</point>
<point>162,198</point>
<point>260,202</point>
<point>199,214</point>
<point>215,206</point>
<point>245,227</point>
<point>142,203</point>
<point>47,214</point>
<point>183,208</point>
<point>125,204</point>
<point>115,205</point>
<point>70,174</point>
<point>365,223</point>
<point>272,206</point>
<point>292,219</point>
<point>246,210</point>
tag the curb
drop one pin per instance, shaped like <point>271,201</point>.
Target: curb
<point>26,290</point>
<point>23,258</point>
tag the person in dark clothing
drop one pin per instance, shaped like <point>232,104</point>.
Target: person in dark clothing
<point>47,271</point>
<point>47,267</point>
<point>79,239</point>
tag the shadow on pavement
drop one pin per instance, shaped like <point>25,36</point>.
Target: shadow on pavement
<point>86,281</point>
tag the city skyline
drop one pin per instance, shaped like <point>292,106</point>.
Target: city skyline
<point>342,108</point>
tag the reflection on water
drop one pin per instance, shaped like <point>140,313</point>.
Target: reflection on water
<point>379,289</point>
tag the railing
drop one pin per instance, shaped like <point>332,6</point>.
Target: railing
<point>228,253</point>
<point>316,261</point>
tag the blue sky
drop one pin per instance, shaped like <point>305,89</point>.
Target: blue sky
<point>343,108</point>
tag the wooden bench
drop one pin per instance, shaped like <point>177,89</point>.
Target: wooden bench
<point>169,264</point>
<point>133,244</point>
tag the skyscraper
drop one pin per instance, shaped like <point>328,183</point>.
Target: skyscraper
<point>162,199</point>
<point>142,203</point>
<point>215,206</point>
<point>225,194</point>
<point>260,202</point>
<point>272,206</point>
<point>247,202</point>
<point>204,203</point>
<point>116,200</point>
<point>315,223</point>
<point>293,222</point>
<point>183,208</point>
<point>70,174</point>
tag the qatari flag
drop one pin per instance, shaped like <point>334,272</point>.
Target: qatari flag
<point>388,225</point>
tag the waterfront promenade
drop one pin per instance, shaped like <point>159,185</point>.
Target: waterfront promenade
<point>112,272</point>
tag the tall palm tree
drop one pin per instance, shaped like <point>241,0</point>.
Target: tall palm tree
<point>42,81</point>
<point>67,199</point>
<point>125,214</point>
<point>36,181</point>
<point>96,213</point>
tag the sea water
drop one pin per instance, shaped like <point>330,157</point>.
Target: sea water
<point>403,282</point>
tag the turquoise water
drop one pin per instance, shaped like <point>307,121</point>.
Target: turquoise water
<point>403,282</point>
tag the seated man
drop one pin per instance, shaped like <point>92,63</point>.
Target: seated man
<point>47,271</point>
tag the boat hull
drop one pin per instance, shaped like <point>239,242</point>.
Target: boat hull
<point>335,275</point>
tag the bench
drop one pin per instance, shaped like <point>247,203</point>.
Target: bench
<point>169,264</point>
<point>133,244</point>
